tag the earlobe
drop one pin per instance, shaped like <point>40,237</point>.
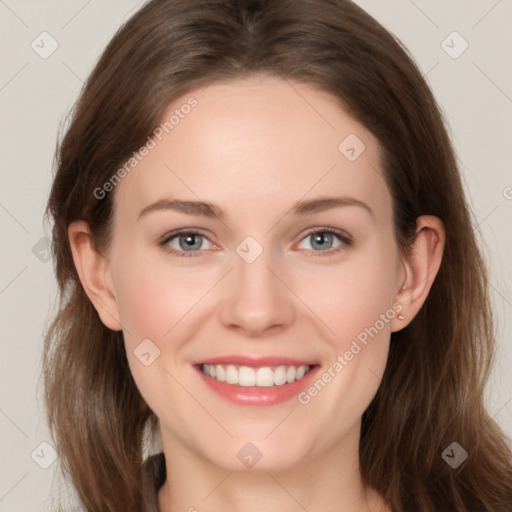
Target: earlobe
<point>421,266</point>
<point>93,270</point>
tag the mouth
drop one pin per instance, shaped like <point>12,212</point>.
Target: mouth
<point>256,381</point>
<point>262,377</point>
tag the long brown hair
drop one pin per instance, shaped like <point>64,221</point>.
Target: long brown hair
<point>432,390</point>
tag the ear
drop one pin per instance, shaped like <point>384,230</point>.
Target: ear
<point>420,265</point>
<point>94,273</point>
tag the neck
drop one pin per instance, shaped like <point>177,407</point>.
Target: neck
<point>329,482</point>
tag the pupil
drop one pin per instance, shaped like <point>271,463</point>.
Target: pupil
<point>190,241</point>
<point>322,239</point>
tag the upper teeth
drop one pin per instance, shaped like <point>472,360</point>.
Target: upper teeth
<point>264,376</point>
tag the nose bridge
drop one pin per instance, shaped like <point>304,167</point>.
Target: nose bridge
<point>256,300</point>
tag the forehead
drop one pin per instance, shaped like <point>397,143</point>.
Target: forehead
<point>252,143</point>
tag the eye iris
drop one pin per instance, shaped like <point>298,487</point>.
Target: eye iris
<point>191,241</point>
<point>323,239</point>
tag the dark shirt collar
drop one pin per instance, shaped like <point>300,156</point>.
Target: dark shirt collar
<point>153,477</point>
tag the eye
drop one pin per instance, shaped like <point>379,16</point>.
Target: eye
<point>323,242</point>
<point>185,242</point>
<point>327,241</point>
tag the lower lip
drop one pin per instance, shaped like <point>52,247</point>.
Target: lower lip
<point>254,395</point>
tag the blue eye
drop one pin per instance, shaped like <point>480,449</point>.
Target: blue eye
<point>185,242</point>
<point>322,242</point>
<point>327,241</point>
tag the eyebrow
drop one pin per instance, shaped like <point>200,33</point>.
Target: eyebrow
<point>207,209</point>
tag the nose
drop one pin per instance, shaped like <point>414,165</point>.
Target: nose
<point>258,301</point>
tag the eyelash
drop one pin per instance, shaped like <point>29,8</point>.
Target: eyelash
<point>346,242</point>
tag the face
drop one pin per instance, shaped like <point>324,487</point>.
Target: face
<point>282,284</point>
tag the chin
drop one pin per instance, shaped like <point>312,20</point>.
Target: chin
<point>259,455</point>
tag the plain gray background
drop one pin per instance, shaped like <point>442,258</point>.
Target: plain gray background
<point>473,87</point>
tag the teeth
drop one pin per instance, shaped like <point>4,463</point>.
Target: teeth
<point>221,373</point>
<point>231,374</point>
<point>265,376</point>
<point>280,375</point>
<point>246,376</point>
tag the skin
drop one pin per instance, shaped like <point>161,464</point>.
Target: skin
<point>255,147</point>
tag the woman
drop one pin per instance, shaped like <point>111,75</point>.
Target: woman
<point>267,265</point>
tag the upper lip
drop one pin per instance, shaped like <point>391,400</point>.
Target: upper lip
<point>255,361</point>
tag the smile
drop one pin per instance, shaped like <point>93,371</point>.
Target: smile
<point>256,381</point>
<point>265,376</point>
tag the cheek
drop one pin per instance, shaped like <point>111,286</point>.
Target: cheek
<point>355,302</point>
<point>358,307</point>
<point>158,301</point>
<point>153,297</point>
<point>353,295</point>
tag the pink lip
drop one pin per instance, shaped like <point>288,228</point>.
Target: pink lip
<point>254,395</point>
